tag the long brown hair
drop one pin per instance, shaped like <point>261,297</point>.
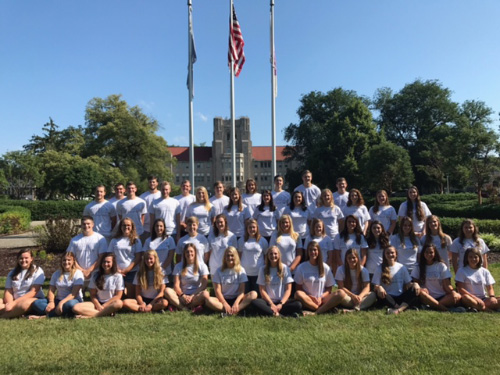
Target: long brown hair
<point>428,232</point>
<point>357,231</point>
<point>321,266</point>
<point>475,235</point>
<point>376,206</point>
<point>401,235</point>
<point>17,269</point>
<point>418,205</point>
<point>386,271</point>
<point>383,239</point>
<point>361,200</point>
<point>132,237</point>
<point>101,273</point>
<point>142,275</point>
<point>347,269</point>
<point>185,264</point>
<point>422,262</point>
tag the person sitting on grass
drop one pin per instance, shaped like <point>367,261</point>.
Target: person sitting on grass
<point>190,282</point>
<point>65,289</point>
<point>473,279</point>
<point>393,285</point>
<point>229,285</point>
<point>106,290</point>
<point>149,286</point>
<point>22,288</point>
<point>434,279</point>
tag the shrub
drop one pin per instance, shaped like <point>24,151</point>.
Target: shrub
<point>451,226</point>
<point>44,210</point>
<point>14,219</point>
<point>55,236</point>
<point>466,209</point>
<point>492,241</point>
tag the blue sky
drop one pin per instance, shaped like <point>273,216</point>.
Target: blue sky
<point>57,55</point>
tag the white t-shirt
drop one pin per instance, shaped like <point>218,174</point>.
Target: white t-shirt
<point>205,217</point>
<point>217,246</point>
<point>307,276</point>
<point>311,194</point>
<point>125,252</point>
<point>355,288</point>
<point>87,248</point>
<point>325,244</point>
<point>418,226</point>
<point>342,246</point>
<point>361,213</point>
<point>281,200</point>
<point>330,217</point>
<point>200,242</point>
<point>162,247</point>
<point>299,220</point>
<point>434,276</point>
<point>276,287</point>
<point>252,254</point>
<point>267,220</point>
<point>166,209</point>
<point>340,200</point>
<point>149,198</point>
<point>407,252</point>
<point>374,258</point>
<point>385,215</point>
<point>150,292</point>
<point>236,219</point>
<point>184,202</point>
<point>112,284</point>
<point>399,278</point>
<point>219,203</point>
<point>190,282</point>
<point>287,246</point>
<point>230,281</point>
<point>475,280</point>
<point>102,213</point>
<point>251,201</point>
<point>65,286</point>
<point>457,248</point>
<point>443,252</point>
<point>21,286</point>
<point>133,209</point>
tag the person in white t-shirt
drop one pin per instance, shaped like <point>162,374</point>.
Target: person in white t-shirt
<point>416,209</point>
<point>185,199</point>
<point>236,213</point>
<point>468,237</point>
<point>106,290</point>
<point>219,200</point>
<point>300,215</point>
<point>219,239</point>
<point>229,286</point>
<point>198,239</point>
<point>351,237</point>
<point>165,208</point>
<point>119,194</point>
<point>281,197</point>
<point>406,243</point>
<point>317,233</point>
<point>473,280</point>
<point>314,281</point>
<point>149,286</point>
<point>356,206</point>
<point>393,284</point>
<point>251,198</point>
<point>251,250</point>
<point>103,213</point>
<point>377,240</point>
<point>331,215</point>
<point>434,278</point>
<point>203,210</point>
<point>149,197</point>
<point>134,208</point>
<point>384,212</point>
<point>163,245</point>
<point>434,235</point>
<point>22,287</point>
<point>289,243</point>
<point>190,282</point>
<point>310,191</point>
<point>267,215</point>
<point>341,195</point>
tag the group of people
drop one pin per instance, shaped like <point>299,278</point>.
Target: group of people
<point>279,254</point>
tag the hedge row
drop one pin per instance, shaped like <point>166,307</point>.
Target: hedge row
<point>14,219</point>
<point>43,210</point>
<point>466,209</point>
<point>451,226</point>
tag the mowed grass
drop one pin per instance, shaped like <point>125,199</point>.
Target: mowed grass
<point>416,342</point>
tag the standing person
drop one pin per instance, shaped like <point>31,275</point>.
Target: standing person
<point>219,239</point>
<point>87,246</point>
<point>149,286</point>
<point>332,215</point>
<point>473,279</point>
<point>266,215</point>
<point>163,245</point>
<point>229,285</point>
<point>203,210</point>
<point>149,197</point>
<point>300,216</point>
<point>102,212</point>
<point>65,289</point>
<point>22,287</point>
<point>310,191</point>
<point>406,243</point>
<point>314,281</point>
<point>356,206</point>
<point>341,195</point>
<point>275,286</point>
<point>251,250</point>
<point>317,234</point>
<point>434,279</point>
<point>236,213</point>
<point>165,208</point>
<point>192,236</point>
<point>185,199</point>
<point>393,284</point>
<point>351,237</point>
<point>289,243</point>
<point>134,208</point>
<point>435,235</point>
<point>190,282</point>
<point>119,189</point>
<point>382,211</point>
<point>219,200</point>
<point>377,241</point>
<point>281,197</point>
<point>127,249</point>
<point>251,198</point>
<point>106,290</point>
<point>467,238</point>
<point>416,209</point>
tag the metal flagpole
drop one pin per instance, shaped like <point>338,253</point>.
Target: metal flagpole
<point>273,95</point>
<point>190,80</point>
<point>233,125</point>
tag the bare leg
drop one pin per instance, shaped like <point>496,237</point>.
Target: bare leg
<point>161,304</point>
<point>18,308</point>
<point>331,301</point>
<point>214,304</point>
<point>247,300</point>
<point>432,302</point>
<point>131,305</point>
<point>306,301</point>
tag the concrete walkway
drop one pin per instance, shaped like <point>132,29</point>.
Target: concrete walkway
<point>22,239</point>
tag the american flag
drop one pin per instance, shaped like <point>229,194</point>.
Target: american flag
<point>236,43</point>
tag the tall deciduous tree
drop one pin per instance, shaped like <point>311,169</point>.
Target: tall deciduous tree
<point>23,172</point>
<point>335,129</point>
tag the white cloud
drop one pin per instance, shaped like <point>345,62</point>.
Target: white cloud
<point>147,106</point>
<point>202,117</point>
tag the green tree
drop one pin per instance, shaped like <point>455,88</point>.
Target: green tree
<point>22,170</point>
<point>335,129</point>
<point>386,166</point>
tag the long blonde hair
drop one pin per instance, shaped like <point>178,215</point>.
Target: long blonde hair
<point>321,266</point>
<point>185,264</point>
<point>291,232</point>
<point>428,232</point>
<point>73,267</point>
<point>142,276</point>
<point>267,267</point>
<point>206,204</point>
<point>237,264</point>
